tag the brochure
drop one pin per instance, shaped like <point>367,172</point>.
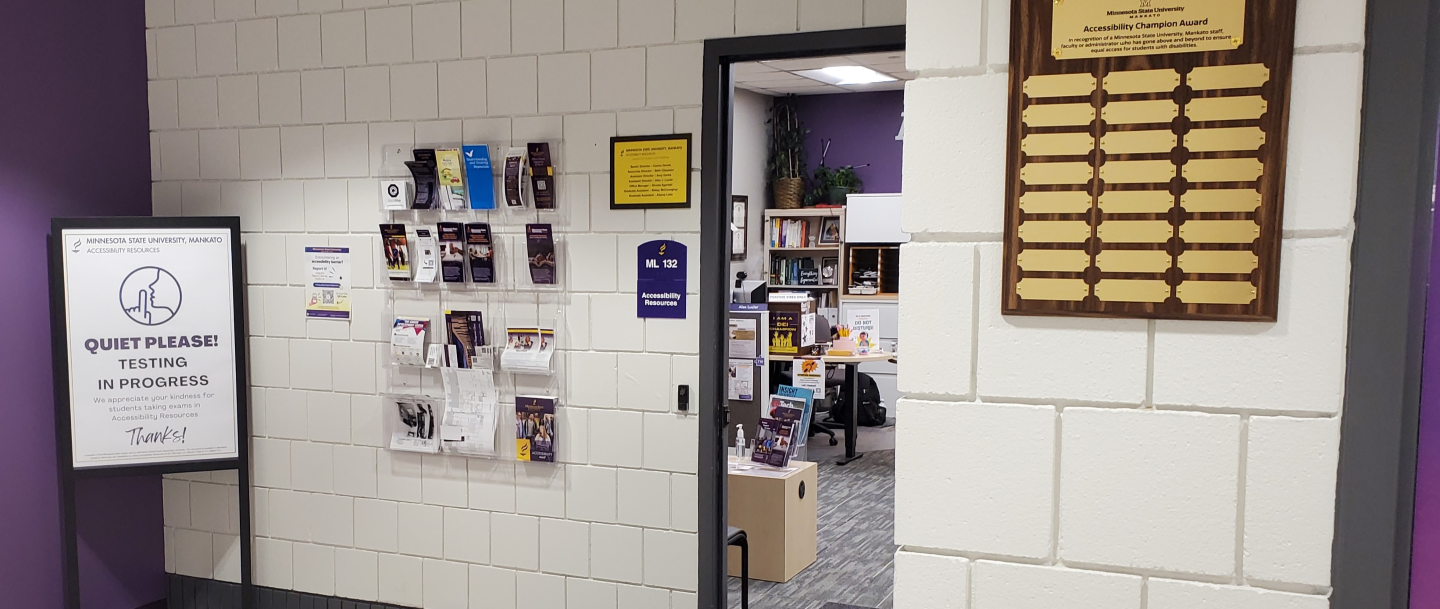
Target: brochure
<point>450,174</point>
<point>397,251</point>
<point>773,442</point>
<point>452,251</point>
<point>864,327</point>
<point>796,405</point>
<point>472,409</point>
<point>479,179</point>
<point>528,350</point>
<point>407,341</point>
<point>742,380</point>
<point>395,195</point>
<point>540,247</point>
<point>426,181</point>
<point>426,246</point>
<point>542,175</point>
<point>417,425</point>
<point>465,335</point>
<point>328,286</point>
<point>514,158</point>
<point>481,251</point>
<point>535,428</point>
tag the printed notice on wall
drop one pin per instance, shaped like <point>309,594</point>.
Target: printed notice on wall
<point>150,325</point>
<point>327,289</point>
<point>1114,28</point>
<point>650,171</point>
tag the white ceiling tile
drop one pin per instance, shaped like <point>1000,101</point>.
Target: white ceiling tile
<point>874,60</point>
<point>809,63</point>
<point>751,67</point>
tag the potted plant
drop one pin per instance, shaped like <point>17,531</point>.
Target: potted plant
<point>832,185</point>
<point>787,153</point>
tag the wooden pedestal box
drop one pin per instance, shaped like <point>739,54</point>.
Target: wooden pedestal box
<point>777,510</point>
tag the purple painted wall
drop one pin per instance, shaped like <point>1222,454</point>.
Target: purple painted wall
<point>74,141</point>
<point>862,129</point>
<point>1425,557</point>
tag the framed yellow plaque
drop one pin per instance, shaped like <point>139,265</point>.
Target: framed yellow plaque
<point>650,171</point>
<point>1145,169</point>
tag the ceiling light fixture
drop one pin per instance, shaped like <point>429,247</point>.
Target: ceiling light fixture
<point>847,75</point>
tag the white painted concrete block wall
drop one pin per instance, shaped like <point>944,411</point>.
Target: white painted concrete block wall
<point>274,111</point>
<point>1114,464</point>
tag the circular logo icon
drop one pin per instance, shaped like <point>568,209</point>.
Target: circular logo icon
<point>150,295</point>
<point>393,190</point>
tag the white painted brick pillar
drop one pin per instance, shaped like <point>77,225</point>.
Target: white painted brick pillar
<point>1113,464</point>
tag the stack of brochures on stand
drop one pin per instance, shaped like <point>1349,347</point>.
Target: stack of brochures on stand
<point>528,351</point>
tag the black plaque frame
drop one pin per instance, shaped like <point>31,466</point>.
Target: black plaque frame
<point>689,170</point>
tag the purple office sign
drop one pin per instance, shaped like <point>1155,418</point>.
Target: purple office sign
<point>660,280</point>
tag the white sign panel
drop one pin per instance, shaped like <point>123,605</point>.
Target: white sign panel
<point>151,337</point>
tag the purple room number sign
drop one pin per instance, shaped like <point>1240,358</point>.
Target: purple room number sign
<point>660,280</point>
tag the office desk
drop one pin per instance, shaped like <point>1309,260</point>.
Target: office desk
<point>852,378</point>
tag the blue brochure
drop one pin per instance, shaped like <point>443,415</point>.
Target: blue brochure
<point>479,178</point>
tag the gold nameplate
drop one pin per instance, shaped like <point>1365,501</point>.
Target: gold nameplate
<point>1249,107</point>
<point>1058,115</point>
<point>1243,76</point>
<point>1215,261</point>
<point>1228,138</point>
<point>1221,170</point>
<point>1115,28</point>
<point>1139,112</point>
<point>1137,142</point>
<point>1055,144</point>
<point>1054,260</point>
<point>1055,202</point>
<point>1220,200</point>
<point>1217,231</point>
<point>1056,173</point>
<point>1134,231</point>
<point>1137,172</point>
<point>1060,85</point>
<point>1054,231</point>
<point>1132,290</point>
<point>1215,292</point>
<point>1132,261</point>
<point>1034,288</point>
<point>1136,201</point>
<point>1142,81</point>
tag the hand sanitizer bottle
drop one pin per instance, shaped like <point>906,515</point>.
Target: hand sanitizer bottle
<point>739,441</point>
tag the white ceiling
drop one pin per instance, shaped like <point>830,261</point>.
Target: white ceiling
<point>782,77</point>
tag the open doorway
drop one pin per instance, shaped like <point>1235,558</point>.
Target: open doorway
<point>803,140</point>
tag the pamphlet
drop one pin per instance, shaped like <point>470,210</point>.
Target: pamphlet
<point>472,409</point>
<point>514,158</point>
<point>528,350</point>
<point>465,335</point>
<point>328,286</point>
<point>426,181</point>
<point>417,425</point>
<point>479,181</point>
<point>542,175</point>
<point>742,337</point>
<point>535,428</point>
<point>742,380</point>
<point>397,251</point>
<point>481,252</point>
<point>773,442</point>
<point>425,243</point>
<point>796,405</point>
<point>452,252</point>
<point>450,174</point>
<point>864,329</point>
<point>395,195</point>
<point>407,341</point>
<point>540,247</point>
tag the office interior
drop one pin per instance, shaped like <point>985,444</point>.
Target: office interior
<point>839,250</point>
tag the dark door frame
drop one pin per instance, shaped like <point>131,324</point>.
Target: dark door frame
<point>715,258</point>
<point>1375,491</point>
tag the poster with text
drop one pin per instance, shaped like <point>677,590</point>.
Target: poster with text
<point>150,331</point>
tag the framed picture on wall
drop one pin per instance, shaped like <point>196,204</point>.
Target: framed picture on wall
<point>739,227</point>
<point>830,231</point>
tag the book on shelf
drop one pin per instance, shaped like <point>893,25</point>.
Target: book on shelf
<point>787,234</point>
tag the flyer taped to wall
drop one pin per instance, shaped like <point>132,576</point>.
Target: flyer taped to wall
<point>742,380</point>
<point>327,288</point>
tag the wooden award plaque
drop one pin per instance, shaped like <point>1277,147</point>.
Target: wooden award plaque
<point>1145,168</point>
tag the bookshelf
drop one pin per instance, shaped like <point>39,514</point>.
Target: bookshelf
<point>795,256</point>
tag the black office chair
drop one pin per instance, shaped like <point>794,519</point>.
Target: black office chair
<point>736,537</point>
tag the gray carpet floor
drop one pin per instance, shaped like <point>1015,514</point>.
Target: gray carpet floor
<point>854,568</point>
